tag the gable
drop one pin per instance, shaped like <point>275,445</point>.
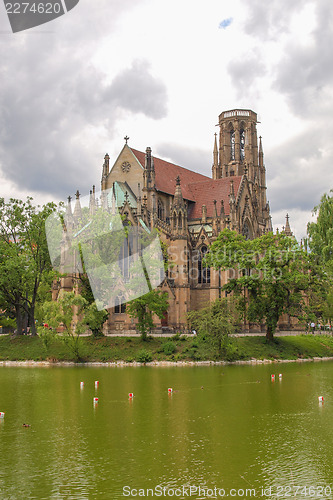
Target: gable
<point>126,169</point>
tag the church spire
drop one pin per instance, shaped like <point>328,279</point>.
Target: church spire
<point>261,154</point>
<point>92,202</point>
<point>77,209</point>
<point>287,230</point>
<point>215,168</point>
<point>179,215</point>
<point>178,200</point>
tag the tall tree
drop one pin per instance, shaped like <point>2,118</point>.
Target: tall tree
<point>320,240</point>
<point>68,314</point>
<point>24,258</point>
<point>216,321</point>
<point>321,232</point>
<point>271,271</point>
<point>143,308</point>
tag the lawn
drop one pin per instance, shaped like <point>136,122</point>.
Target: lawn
<point>177,348</point>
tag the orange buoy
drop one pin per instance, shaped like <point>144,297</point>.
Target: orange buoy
<point>95,400</point>
<point>130,395</point>
<point>2,415</point>
<point>321,399</point>
<point>170,390</point>
<point>273,378</point>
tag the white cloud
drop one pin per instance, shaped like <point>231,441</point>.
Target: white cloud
<point>162,73</point>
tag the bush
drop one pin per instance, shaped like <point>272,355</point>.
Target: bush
<point>144,356</point>
<point>193,354</point>
<point>169,348</point>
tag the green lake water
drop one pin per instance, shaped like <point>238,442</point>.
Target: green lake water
<point>227,427</point>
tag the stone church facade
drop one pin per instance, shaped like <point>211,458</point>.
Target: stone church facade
<point>190,209</point>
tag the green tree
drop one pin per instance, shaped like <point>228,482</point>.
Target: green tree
<point>271,271</point>
<point>320,241</point>
<point>67,314</point>
<point>24,259</point>
<point>320,233</point>
<point>216,322</point>
<point>95,318</point>
<point>143,308</point>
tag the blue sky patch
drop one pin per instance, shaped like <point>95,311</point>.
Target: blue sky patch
<point>225,23</point>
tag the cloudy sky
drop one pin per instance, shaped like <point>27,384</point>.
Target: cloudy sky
<point>161,72</point>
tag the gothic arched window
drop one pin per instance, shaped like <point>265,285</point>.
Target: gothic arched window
<point>180,221</point>
<point>247,231</point>
<point>232,145</point>
<point>174,220</point>
<point>125,255</point>
<point>242,144</point>
<point>160,210</point>
<point>119,306</point>
<point>203,272</point>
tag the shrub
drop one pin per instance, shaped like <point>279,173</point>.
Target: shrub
<point>193,354</point>
<point>144,356</point>
<point>169,348</point>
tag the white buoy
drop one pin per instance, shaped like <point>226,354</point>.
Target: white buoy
<point>96,384</point>
<point>81,385</point>
<point>280,375</point>
<point>130,395</point>
<point>273,378</point>
<point>170,390</point>
<point>2,415</point>
<point>321,399</point>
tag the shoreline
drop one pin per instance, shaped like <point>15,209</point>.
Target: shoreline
<point>180,364</point>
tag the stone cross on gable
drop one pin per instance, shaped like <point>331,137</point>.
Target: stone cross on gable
<point>126,138</point>
<point>126,196</point>
<point>69,199</point>
<point>77,194</point>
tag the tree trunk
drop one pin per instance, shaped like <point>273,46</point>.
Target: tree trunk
<point>32,321</point>
<point>269,333</point>
<point>19,320</point>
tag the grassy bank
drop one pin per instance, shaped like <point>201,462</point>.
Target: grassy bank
<point>176,349</point>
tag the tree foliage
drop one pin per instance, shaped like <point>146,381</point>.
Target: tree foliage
<point>24,259</point>
<point>143,308</point>
<point>272,272</point>
<point>67,313</point>
<point>216,322</point>
<point>320,239</point>
<point>321,232</point>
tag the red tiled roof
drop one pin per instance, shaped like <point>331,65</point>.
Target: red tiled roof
<point>206,192</point>
<point>166,174</point>
<point>195,187</point>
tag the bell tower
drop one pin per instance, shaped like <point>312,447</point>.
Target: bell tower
<point>238,144</point>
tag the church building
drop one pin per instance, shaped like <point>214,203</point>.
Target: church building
<point>190,209</point>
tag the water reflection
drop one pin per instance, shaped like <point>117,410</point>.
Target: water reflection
<point>229,428</point>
